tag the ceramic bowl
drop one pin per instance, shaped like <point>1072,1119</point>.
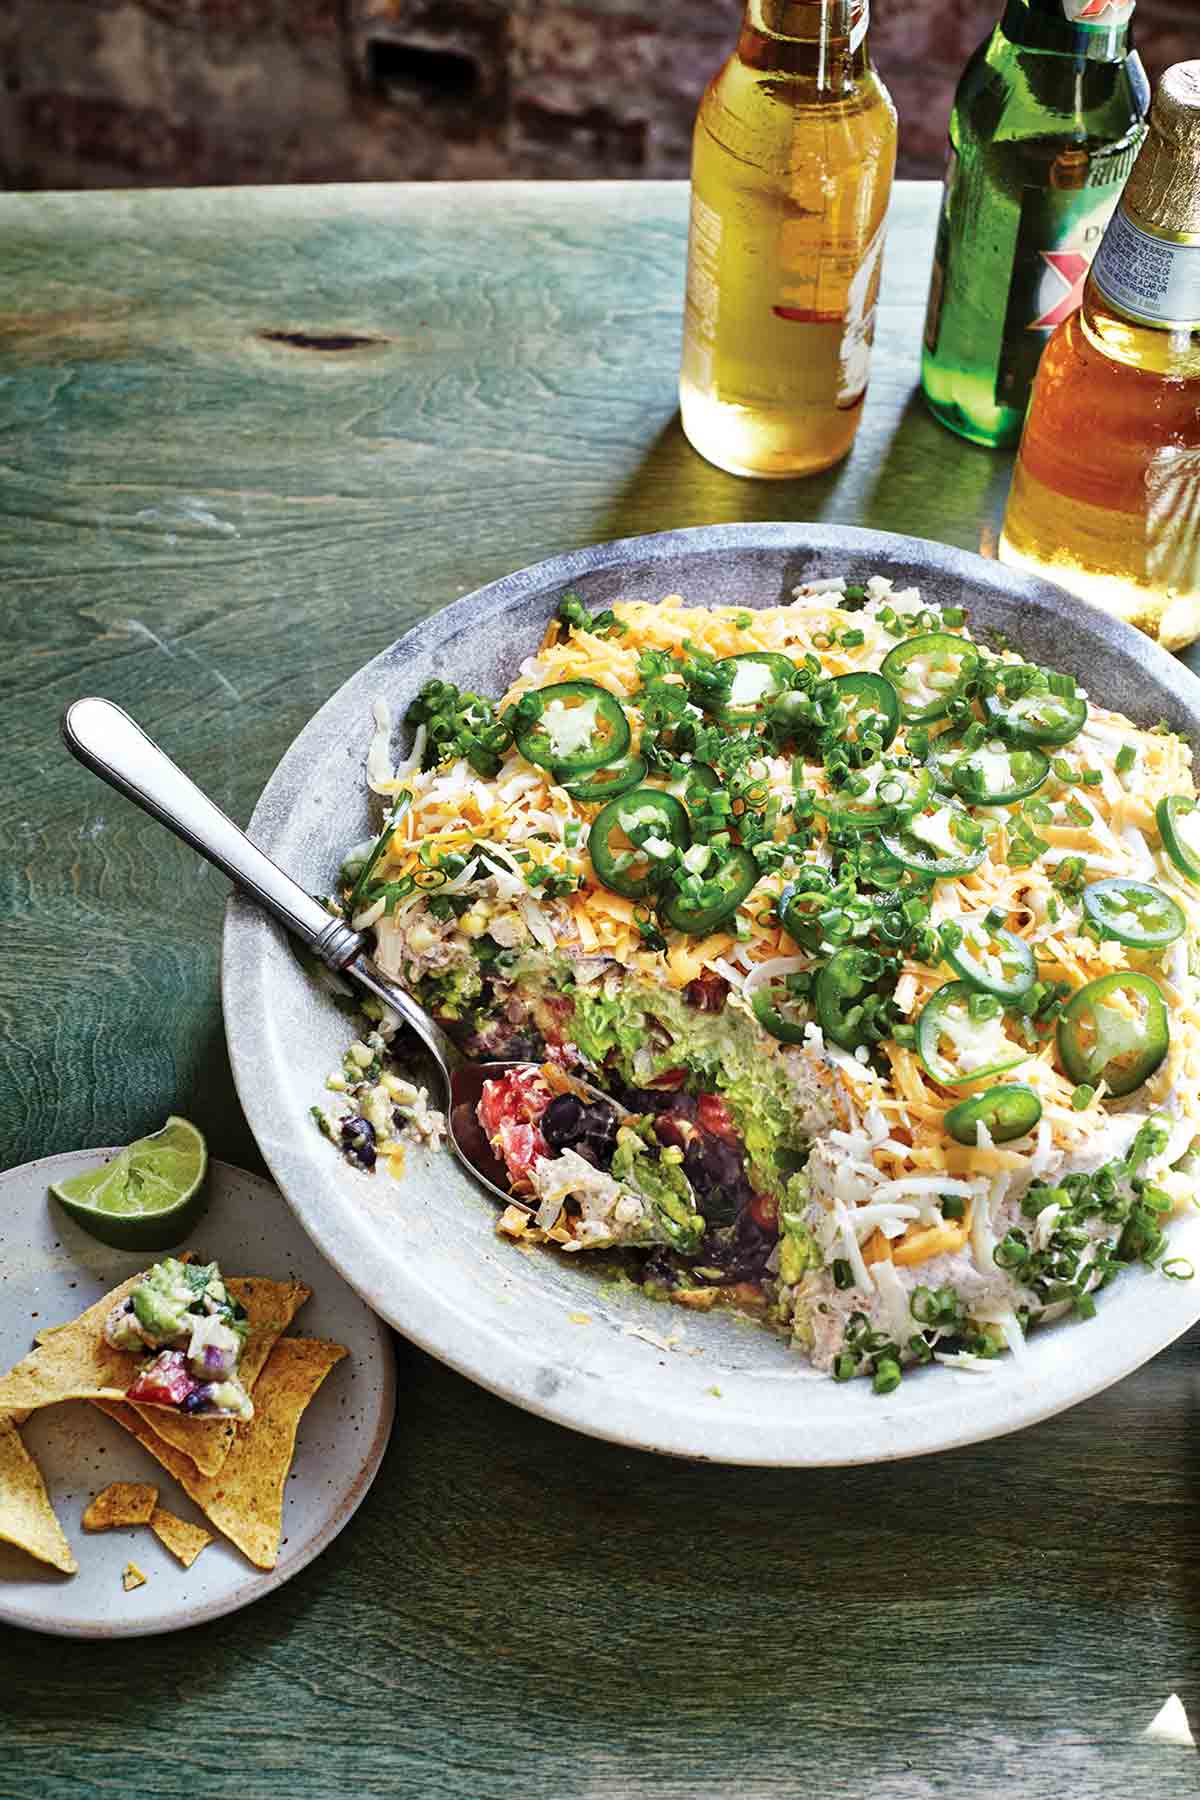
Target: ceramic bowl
<point>542,1328</point>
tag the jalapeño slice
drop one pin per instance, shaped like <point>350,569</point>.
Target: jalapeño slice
<point>571,727</point>
<point>1178,821</point>
<point>928,672</point>
<point>846,993</point>
<point>607,782</point>
<point>931,845</point>
<point>972,1024</point>
<point>1134,912</point>
<point>719,897</point>
<point>993,959</point>
<point>759,676</point>
<point>782,1011</point>
<point>652,823</point>
<point>998,774</point>
<point>1008,1111</point>
<point>800,912</point>
<point>1100,1039</point>
<point>887,788</point>
<point>1037,718</point>
<point>870,703</point>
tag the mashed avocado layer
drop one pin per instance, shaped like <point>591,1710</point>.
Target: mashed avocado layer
<point>643,1029</point>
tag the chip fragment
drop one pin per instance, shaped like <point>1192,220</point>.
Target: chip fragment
<point>245,1501</point>
<point>132,1578</point>
<point>121,1503</point>
<point>181,1538</point>
<point>26,1516</point>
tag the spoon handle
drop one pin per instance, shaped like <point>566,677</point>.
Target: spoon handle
<point>107,741</point>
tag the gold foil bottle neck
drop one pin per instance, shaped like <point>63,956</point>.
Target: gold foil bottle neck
<point>1164,189</point>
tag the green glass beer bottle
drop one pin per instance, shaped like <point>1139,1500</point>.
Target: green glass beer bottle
<point>1047,123</point>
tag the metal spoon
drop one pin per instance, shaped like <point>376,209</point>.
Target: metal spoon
<point>107,741</point>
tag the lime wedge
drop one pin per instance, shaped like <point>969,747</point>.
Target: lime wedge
<point>148,1197</point>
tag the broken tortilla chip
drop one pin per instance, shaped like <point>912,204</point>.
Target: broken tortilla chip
<point>132,1578</point>
<point>26,1515</point>
<point>270,1307</point>
<point>245,1500</point>
<point>182,1539</point>
<point>121,1503</point>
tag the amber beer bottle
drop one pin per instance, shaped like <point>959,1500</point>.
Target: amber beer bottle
<point>792,163</point>
<point>1106,495</point>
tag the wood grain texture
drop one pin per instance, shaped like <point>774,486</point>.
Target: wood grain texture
<point>245,439</point>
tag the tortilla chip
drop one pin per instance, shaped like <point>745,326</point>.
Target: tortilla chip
<point>271,1306</point>
<point>26,1516</point>
<point>182,1540</point>
<point>121,1503</point>
<point>132,1578</point>
<point>245,1500</point>
<point>73,1363</point>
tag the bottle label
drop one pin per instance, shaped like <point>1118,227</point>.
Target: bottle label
<point>1098,12</point>
<point>1149,279</point>
<point>703,299</point>
<point>1059,232</point>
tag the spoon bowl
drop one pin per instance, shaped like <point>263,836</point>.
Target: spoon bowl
<point>108,742</point>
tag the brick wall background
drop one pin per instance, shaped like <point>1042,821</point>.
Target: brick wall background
<point>121,93</point>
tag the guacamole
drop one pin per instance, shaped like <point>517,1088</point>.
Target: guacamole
<point>185,1313</point>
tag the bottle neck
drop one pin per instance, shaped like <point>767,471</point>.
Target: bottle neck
<point>1094,30</point>
<point>824,40</point>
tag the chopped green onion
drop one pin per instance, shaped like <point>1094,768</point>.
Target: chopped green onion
<point>887,1375</point>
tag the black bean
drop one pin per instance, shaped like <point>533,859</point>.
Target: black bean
<point>358,1141</point>
<point>563,1121</point>
<point>710,1163</point>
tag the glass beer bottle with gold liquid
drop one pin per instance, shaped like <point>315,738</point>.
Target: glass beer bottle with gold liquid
<point>792,164</point>
<point>1106,494</point>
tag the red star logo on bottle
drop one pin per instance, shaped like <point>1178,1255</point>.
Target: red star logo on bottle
<point>1098,12</point>
<point>1071,267</point>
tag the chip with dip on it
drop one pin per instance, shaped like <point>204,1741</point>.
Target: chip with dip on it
<point>115,1351</point>
<point>245,1501</point>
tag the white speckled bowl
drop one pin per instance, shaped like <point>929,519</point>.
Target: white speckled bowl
<point>536,1326</point>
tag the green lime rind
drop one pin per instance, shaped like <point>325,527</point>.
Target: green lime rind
<point>148,1197</point>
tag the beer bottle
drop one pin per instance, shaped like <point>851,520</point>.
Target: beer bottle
<point>1046,124</point>
<point>1106,494</point>
<point>794,150</point>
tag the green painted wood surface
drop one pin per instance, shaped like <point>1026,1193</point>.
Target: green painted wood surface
<point>246,439</point>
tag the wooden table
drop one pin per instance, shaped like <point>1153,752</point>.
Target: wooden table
<point>247,438</point>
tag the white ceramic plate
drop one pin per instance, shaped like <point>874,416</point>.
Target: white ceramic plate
<point>535,1326</point>
<point>50,1271</point>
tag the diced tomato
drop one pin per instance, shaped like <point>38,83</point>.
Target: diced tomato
<point>713,1115</point>
<point>764,1210</point>
<point>519,1146</point>
<point>509,1109</point>
<point>518,1094</point>
<point>164,1382</point>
